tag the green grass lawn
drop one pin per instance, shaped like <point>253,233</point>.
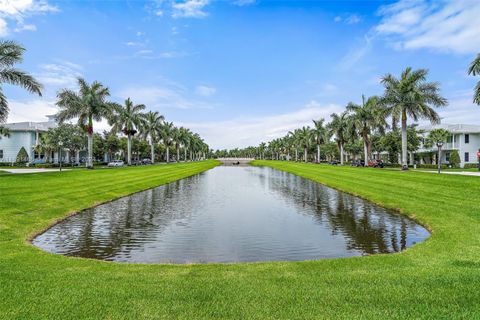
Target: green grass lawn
<point>439,278</point>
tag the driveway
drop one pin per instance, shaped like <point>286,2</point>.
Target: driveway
<point>463,173</point>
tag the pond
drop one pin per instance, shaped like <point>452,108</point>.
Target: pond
<point>233,214</point>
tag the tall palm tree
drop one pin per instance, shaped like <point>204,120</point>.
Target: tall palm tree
<point>366,118</point>
<point>186,138</point>
<point>166,133</point>
<point>261,150</point>
<point>127,119</point>
<point>88,104</point>
<point>178,137</point>
<point>11,53</point>
<point>305,138</point>
<point>296,138</point>
<point>474,70</point>
<point>339,126</point>
<point>320,133</point>
<point>151,126</point>
<point>411,96</point>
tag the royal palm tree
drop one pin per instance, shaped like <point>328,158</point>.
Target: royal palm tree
<point>127,119</point>
<point>304,140</point>
<point>151,126</point>
<point>11,53</point>
<point>474,70</point>
<point>186,138</point>
<point>295,139</point>
<point>178,137</point>
<point>320,134</point>
<point>339,127</point>
<point>88,104</point>
<point>437,137</point>
<point>366,118</point>
<point>411,96</point>
<point>166,134</point>
<point>261,150</point>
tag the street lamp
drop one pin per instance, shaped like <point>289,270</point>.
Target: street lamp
<point>60,144</point>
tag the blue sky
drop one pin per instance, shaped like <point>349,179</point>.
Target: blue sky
<point>242,71</point>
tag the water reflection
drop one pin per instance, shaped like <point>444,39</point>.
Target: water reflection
<point>231,214</point>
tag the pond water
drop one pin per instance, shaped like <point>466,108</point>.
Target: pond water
<point>233,214</point>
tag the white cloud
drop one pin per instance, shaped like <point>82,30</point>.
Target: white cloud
<point>30,110</point>
<point>205,91</point>
<point>63,74</point>
<point>189,9</point>
<point>18,10</point>
<point>348,19</point>
<point>247,131</point>
<point>169,95</point>
<point>242,3</point>
<point>448,26</point>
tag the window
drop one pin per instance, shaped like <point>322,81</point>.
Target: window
<point>467,157</point>
<point>467,138</point>
<point>447,157</point>
<point>449,139</point>
<point>1,154</point>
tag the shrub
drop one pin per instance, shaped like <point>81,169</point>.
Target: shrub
<point>22,156</point>
<point>432,166</point>
<point>470,165</point>
<point>454,159</point>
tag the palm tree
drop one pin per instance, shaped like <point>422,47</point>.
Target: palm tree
<point>411,96</point>
<point>151,126</point>
<point>339,127</point>
<point>127,119</point>
<point>320,133</point>
<point>474,70</point>
<point>366,118</point>
<point>166,133</point>
<point>88,104</point>
<point>261,150</point>
<point>305,138</point>
<point>437,137</point>
<point>178,137</point>
<point>11,53</point>
<point>186,138</point>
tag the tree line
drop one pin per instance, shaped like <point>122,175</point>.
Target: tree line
<point>89,104</point>
<point>376,124</point>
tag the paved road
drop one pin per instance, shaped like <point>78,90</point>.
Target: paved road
<point>38,170</point>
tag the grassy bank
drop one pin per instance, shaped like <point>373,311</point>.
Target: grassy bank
<point>435,279</point>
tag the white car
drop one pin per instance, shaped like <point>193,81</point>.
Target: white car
<point>116,163</point>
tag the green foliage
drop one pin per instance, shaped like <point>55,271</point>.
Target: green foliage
<point>454,158</point>
<point>22,156</point>
<point>436,138</point>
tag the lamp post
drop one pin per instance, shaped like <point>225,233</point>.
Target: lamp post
<point>60,144</point>
<point>439,146</point>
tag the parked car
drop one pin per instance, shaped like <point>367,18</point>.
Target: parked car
<point>146,161</point>
<point>358,163</point>
<point>116,163</point>
<point>136,163</point>
<point>334,162</point>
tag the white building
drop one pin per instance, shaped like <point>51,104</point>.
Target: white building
<point>26,135</point>
<point>465,138</point>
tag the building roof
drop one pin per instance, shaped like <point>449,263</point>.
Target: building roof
<point>32,126</point>
<point>453,128</point>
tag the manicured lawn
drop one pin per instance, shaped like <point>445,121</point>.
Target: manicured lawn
<point>439,278</point>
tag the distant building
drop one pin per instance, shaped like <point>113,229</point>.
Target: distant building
<point>26,135</point>
<point>465,138</point>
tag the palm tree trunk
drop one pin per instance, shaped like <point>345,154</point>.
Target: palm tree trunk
<point>191,156</point>
<point>296,155</point>
<point>185,153</point>
<point>129,149</point>
<point>152,151</point>
<point>90,150</point>
<point>178,154</point>
<point>404,140</point>
<point>305,154</point>
<point>168,155</point>
<point>341,154</point>
<point>318,153</point>
<point>90,142</point>
<point>438,158</point>
<point>365,151</point>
